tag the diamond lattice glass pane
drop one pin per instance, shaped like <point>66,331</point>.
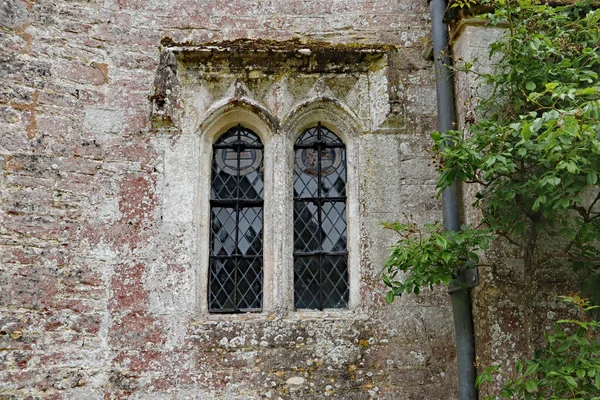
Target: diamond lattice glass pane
<point>311,135</point>
<point>236,134</point>
<point>222,284</point>
<point>237,166</point>
<point>308,137</point>
<point>320,279</point>
<point>320,163</point>
<point>330,137</point>
<point>249,285</point>
<point>305,178</point>
<point>251,185</point>
<point>306,282</point>
<point>331,171</point>
<point>305,181</point>
<point>250,231</point>
<point>235,282</point>
<point>224,185</point>
<point>306,226</point>
<point>223,231</point>
<point>333,178</point>
<point>333,226</point>
<point>334,281</point>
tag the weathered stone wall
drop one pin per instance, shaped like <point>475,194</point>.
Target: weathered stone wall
<point>101,231</point>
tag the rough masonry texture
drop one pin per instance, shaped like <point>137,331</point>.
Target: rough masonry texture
<point>108,110</point>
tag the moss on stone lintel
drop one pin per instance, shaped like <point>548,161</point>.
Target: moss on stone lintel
<point>271,56</point>
<point>292,45</point>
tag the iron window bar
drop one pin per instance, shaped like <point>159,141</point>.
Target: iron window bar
<point>304,279</point>
<point>236,201</point>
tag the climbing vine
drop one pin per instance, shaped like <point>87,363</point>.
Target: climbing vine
<point>533,150</point>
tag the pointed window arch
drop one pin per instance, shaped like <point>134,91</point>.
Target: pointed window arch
<point>320,250</point>
<point>236,235</point>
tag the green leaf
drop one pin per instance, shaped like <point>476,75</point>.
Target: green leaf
<point>526,131</point>
<point>570,381</point>
<point>490,161</point>
<point>531,368</point>
<point>389,297</point>
<point>591,178</point>
<point>588,91</point>
<point>537,124</point>
<point>572,167</point>
<point>531,386</point>
<point>441,242</point>
<point>538,203</point>
<point>554,180</point>
<point>530,86</point>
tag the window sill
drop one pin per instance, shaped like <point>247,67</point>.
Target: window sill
<point>292,315</point>
<point>327,314</point>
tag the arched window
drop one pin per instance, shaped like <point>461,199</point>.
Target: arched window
<point>320,252</point>
<point>236,238</point>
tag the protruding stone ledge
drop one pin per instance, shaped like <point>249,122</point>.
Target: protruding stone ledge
<point>278,74</point>
<point>270,56</point>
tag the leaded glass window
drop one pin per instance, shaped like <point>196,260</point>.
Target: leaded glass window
<point>236,248</point>
<point>320,252</point>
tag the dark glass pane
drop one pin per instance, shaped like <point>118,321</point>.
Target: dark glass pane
<point>307,282</point>
<point>305,173</point>
<point>334,281</point>
<point>222,285</point>
<point>333,177</point>
<point>332,171</point>
<point>306,226</point>
<point>223,231</point>
<point>235,281</point>
<point>333,226</point>
<point>237,166</point>
<point>224,185</point>
<point>250,231</point>
<point>320,267</point>
<point>249,285</point>
<point>231,136</point>
<point>321,163</point>
<point>308,137</point>
<point>251,185</point>
<point>312,135</point>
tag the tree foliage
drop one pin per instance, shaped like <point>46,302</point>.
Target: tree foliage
<point>533,152</point>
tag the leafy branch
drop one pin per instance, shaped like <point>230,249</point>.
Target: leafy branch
<point>429,256</point>
<point>533,151</point>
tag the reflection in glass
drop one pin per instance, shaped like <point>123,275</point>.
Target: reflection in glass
<point>235,280</point>
<point>320,252</point>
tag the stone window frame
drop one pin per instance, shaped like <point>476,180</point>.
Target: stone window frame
<point>278,138</point>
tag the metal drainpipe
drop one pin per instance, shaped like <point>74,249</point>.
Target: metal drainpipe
<point>459,289</point>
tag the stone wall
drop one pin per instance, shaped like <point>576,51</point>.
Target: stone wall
<point>101,238</point>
